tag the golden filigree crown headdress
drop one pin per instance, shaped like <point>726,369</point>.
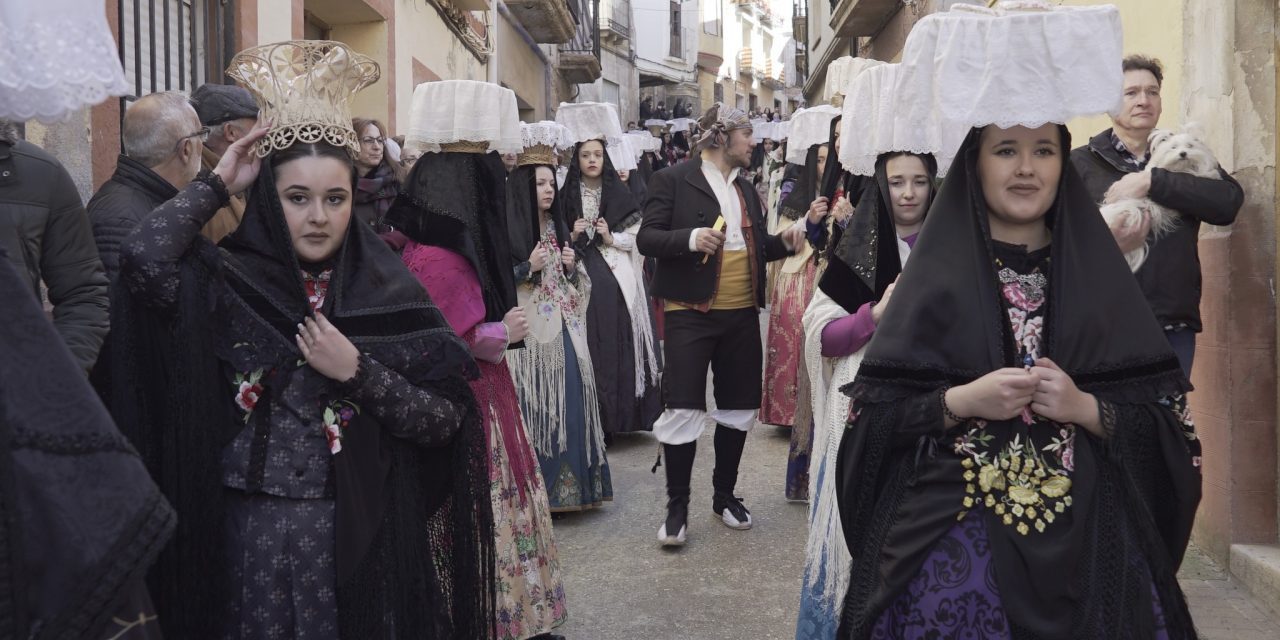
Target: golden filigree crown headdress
<point>304,87</point>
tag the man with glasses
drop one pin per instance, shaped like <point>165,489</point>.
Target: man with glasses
<point>229,112</point>
<point>163,140</point>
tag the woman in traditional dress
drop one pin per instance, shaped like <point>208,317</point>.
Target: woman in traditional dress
<point>380,174</point>
<point>620,326</point>
<point>452,210</point>
<point>1019,437</point>
<point>553,373</point>
<point>298,396</point>
<point>852,295</point>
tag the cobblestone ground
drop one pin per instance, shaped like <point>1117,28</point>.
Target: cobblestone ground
<point>746,584</point>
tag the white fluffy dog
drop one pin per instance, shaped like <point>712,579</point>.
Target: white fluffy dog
<point>1181,152</point>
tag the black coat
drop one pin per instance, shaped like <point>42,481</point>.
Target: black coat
<point>1170,277</point>
<point>46,234</point>
<point>132,193</point>
<point>680,274</point>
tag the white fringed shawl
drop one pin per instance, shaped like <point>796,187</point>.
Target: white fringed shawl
<point>539,368</point>
<point>826,545</point>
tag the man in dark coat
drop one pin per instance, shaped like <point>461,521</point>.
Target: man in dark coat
<point>712,277</point>
<point>1170,276</point>
<point>46,234</point>
<point>163,141</point>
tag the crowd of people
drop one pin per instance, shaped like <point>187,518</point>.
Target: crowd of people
<point>344,381</point>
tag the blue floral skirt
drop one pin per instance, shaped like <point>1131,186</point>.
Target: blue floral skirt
<point>577,478</point>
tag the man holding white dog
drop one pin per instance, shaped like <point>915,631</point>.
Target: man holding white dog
<point>1114,164</point>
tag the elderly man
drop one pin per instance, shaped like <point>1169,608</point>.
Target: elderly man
<point>45,235</point>
<point>704,224</point>
<point>230,112</point>
<point>1170,277</point>
<point>162,143</point>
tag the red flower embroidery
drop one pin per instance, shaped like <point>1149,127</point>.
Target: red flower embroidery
<point>247,397</point>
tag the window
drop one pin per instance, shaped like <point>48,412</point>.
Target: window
<point>164,44</point>
<point>677,51</point>
<point>718,92</point>
<point>711,17</point>
<point>611,93</point>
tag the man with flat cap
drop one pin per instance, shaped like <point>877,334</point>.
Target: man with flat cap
<point>229,112</point>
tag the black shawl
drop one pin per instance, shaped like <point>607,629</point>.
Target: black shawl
<point>80,519</point>
<point>524,225</point>
<point>805,188</point>
<point>834,179</point>
<point>864,261</point>
<point>1092,572</point>
<point>414,525</point>
<point>618,205</point>
<point>457,201</point>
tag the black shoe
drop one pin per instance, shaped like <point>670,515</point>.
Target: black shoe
<point>731,511</point>
<point>673,530</point>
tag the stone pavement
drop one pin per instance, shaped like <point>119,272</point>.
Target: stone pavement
<point>746,584</point>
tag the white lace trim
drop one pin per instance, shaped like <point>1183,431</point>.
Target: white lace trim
<point>450,111</point>
<point>1023,63</point>
<point>644,141</point>
<point>809,127</point>
<point>546,134</point>
<point>56,57</point>
<point>590,121</point>
<point>876,121</point>
<point>623,155</point>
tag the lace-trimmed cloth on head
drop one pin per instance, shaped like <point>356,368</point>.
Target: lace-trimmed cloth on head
<point>873,124</point>
<point>449,111</point>
<point>56,56</point>
<point>807,128</point>
<point>1022,63</point>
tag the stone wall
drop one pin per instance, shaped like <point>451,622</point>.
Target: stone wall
<point>1229,88</point>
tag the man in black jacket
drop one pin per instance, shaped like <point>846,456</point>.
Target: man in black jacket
<point>46,235</point>
<point>1170,276</point>
<point>163,141</point>
<point>713,282</point>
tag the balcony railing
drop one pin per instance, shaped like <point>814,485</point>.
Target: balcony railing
<point>615,19</point>
<point>580,56</point>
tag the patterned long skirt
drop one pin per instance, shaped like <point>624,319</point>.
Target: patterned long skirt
<point>577,478</point>
<point>956,594</point>
<point>282,567</point>
<point>531,597</point>
<point>784,347</point>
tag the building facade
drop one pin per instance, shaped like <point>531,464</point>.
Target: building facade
<point>545,51</point>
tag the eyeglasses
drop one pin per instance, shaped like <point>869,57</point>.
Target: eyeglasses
<point>378,141</point>
<point>202,133</point>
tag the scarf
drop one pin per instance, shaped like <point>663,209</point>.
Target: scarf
<point>457,201</point>
<point>618,206</point>
<point>864,262</point>
<point>378,189</point>
<point>804,189</point>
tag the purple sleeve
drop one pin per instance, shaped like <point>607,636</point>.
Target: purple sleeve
<point>489,342</point>
<point>843,337</point>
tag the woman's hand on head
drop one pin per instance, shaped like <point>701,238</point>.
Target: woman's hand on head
<point>329,352</point>
<point>239,165</point>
